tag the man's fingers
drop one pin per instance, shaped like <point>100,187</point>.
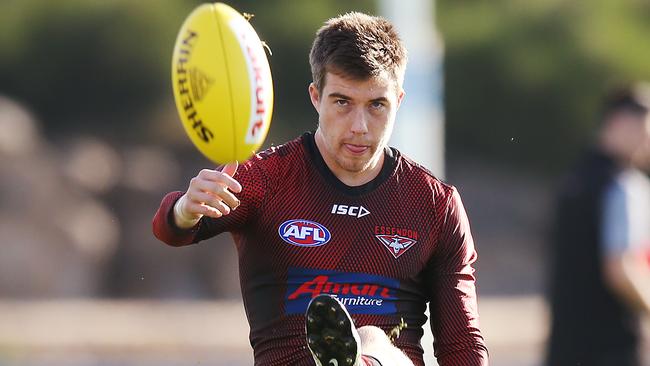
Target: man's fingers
<point>230,168</point>
<point>211,211</point>
<point>203,209</point>
<point>219,178</point>
<point>210,200</point>
<point>230,199</point>
<point>210,192</point>
<point>231,183</point>
<point>212,187</point>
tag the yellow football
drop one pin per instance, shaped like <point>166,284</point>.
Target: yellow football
<point>222,83</point>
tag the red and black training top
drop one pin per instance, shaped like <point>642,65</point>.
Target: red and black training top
<point>384,249</point>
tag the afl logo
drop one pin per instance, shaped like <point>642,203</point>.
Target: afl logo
<point>304,233</point>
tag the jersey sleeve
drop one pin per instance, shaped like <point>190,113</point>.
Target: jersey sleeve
<point>453,304</point>
<point>253,182</point>
<point>624,215</point>
<point>615,228</point>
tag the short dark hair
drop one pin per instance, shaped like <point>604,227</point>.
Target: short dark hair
<point>629,99</point>
<point>359,46</point>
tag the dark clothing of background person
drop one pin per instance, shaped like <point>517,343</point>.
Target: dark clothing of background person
<point>590,324</point>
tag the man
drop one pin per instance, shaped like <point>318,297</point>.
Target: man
<point>337,212</point>
<point>600,275</point>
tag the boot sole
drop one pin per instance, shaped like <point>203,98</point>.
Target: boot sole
<point>332,337</point>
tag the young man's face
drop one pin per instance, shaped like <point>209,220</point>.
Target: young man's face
<point>641,136</point>
<point>356,120</point>
<point>631,133</point>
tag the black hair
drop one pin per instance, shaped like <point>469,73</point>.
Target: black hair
<point>624,100</point>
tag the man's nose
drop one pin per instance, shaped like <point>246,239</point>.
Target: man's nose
<point>359,122</point>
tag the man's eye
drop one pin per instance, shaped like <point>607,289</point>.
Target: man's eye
<point>377,105</point>
<point>341,102</point>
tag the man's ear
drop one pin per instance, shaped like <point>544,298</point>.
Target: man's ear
<point>314,95</point>
<point>400,97</point>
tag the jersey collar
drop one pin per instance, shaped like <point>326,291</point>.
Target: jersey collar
<point>390,161</point>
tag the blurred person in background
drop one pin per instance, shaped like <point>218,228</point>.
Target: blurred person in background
<point>600,275</point>
<point>338,212</point>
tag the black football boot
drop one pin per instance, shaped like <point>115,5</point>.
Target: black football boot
<point>332,337</point>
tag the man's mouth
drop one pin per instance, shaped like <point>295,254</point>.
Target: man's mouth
<point>356,149</point>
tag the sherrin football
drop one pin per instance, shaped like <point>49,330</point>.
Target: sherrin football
<point>222,83</point>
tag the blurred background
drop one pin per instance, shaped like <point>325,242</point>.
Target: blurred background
<point>90,141</point>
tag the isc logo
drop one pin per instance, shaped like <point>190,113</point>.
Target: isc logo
<point>304,233</point>
<point>356,211</point>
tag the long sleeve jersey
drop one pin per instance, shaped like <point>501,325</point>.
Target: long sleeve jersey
<point>384,249</point>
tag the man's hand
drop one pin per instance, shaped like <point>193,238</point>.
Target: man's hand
<point>210,194</point>
<point>628,275</point>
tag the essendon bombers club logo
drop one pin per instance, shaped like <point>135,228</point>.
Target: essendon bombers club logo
<point>396,240</point>
<point>361,293</point>
<point>304,233</point>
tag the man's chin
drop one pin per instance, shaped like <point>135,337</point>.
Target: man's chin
<point>354,166</point>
